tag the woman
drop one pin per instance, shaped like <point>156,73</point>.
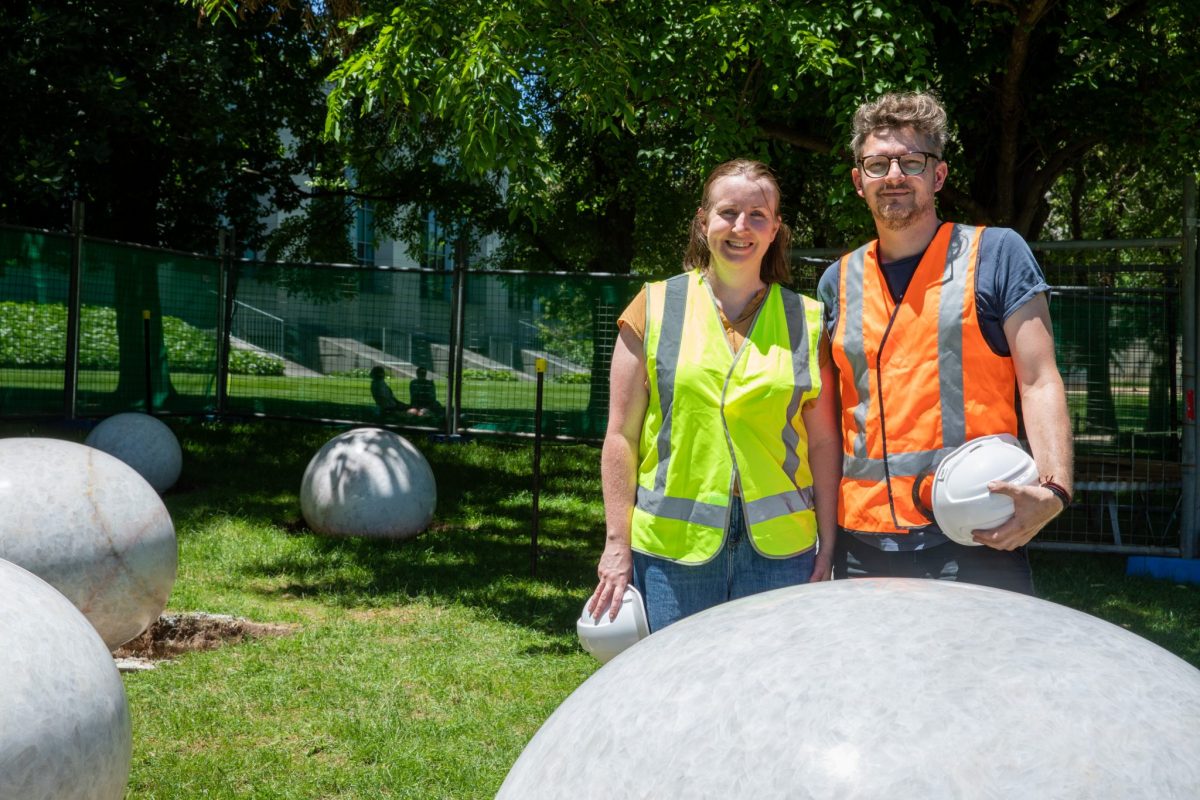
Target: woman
<point>722,459</point>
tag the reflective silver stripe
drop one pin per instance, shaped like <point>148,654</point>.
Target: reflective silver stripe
<point>853,344</point>
<point>657,504</point>
<point>779,505</point>
<point>950,336</point>
<point>900,465</point>
<point>669,338</point>
<point>797,325</point>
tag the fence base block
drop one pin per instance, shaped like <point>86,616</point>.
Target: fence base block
<point>1180,570</point>
<point>449,438</point>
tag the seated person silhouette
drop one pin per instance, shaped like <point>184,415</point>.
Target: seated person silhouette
<point>422,396</point>
<point>385,401</point>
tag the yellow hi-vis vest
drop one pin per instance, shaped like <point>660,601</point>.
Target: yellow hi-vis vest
<point>716,417</point>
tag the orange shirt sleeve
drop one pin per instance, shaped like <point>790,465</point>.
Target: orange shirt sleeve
<point>634,315</point>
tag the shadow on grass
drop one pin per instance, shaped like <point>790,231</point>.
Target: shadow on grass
<point>476,553</point>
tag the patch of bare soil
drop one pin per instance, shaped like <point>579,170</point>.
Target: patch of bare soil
<point>172,635</point>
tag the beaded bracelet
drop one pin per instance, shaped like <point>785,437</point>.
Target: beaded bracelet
<point>1059,492</point>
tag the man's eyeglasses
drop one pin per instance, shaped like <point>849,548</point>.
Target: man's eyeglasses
<point>913,163</point>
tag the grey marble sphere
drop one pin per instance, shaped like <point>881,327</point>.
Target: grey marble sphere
<point>144,443</point>
<point>92,528</point>
<point>368,482</point>
<point>64,721</point>
<point>888,689</point>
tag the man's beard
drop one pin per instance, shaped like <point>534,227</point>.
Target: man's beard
<point>897,218</point>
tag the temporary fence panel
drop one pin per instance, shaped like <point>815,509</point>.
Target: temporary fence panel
<point>1117,339</point>
<point>148,330</point>
<point>34,278</point>
<point>340,343</point>
<point>512,319</point>
<point>807,271</point>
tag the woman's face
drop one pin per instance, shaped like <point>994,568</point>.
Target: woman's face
<point>741,221</point>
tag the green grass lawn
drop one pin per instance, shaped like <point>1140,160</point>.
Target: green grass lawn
<point>418,669</point>
<point>325,389</point>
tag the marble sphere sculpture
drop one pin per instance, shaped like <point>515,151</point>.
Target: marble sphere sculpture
<point>144,443</point>
<point>64,721</point>
<point>91,527</point>
<point>368,482</point>
<point>888,689</point>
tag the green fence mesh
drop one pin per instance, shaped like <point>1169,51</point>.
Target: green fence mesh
<point>34,275</point>
<point>570,321</point>
<point>1119,350</point>
<point>376,345</point>
<point>327,329</point>
<point>148,330</point>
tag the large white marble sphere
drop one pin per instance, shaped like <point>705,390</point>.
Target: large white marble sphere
<point>64,721</point>
<point>144,443</point>
<point>888,689</point>
<point>368,482</point>
<point>92,528</point>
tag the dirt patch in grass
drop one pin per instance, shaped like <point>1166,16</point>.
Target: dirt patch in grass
<point>172,635</point>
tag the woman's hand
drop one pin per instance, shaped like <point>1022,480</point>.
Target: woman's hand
<point>615,571</point>
<point>822,566</point>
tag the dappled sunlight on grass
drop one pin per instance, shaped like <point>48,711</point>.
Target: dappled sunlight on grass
<point>476,553</point>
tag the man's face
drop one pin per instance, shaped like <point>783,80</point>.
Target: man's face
<point>896,200</point>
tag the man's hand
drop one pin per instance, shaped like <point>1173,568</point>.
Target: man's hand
<point>1033,507</point>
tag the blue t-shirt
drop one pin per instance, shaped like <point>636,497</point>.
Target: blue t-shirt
<point>1006,278</point>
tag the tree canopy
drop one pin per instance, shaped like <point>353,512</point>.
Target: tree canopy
<point>660,91</point>
<point>580,129</point>
<point>165,129</point>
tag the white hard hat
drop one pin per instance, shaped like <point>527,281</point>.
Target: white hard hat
<point>605,638</point>
<point>961,500</point>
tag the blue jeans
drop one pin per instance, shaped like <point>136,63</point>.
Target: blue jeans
<point>673,591</point>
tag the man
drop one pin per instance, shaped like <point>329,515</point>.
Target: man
<point>936,329</point>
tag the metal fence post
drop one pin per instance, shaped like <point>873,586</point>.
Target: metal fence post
<point>74,307</point>
<point>1189,535</point>
<point>226,281</point>
<point>459,289</point>
<point>540,368</point>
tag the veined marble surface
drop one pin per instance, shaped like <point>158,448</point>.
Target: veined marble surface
<point>64,721</point>
<point>883,689</point>
<point>90,526</point>
<point>143,442</point>
<point>368,482</point>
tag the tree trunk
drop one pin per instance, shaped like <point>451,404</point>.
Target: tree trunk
<point>132,217</point>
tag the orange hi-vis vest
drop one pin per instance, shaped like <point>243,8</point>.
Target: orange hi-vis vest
<point>917,379</point>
